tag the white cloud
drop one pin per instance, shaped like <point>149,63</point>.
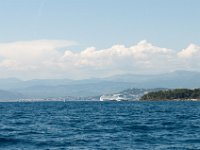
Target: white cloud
<point>190,57</point>
<point>43,59</point>
<point>190,51</point>
<point>27,59</point>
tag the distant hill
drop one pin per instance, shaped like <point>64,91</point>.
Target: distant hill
<point>7,95</point>
<point>43,88</point>
<point>175,94</point>
<point>78,89</point>
<point>177,79</point>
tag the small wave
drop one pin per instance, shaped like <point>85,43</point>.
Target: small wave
<point>4,141</point>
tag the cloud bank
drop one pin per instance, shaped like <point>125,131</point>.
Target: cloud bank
<point>45,59</point>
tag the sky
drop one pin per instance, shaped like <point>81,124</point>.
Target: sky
<point>97,38</point>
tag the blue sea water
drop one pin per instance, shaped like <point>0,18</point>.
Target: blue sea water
<point>100,125</point>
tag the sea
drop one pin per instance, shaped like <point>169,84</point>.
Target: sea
<point>89,125</point>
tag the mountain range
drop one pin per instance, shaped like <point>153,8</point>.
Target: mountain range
<point>12,88</point>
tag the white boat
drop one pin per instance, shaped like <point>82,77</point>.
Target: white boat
<point>114,97</point>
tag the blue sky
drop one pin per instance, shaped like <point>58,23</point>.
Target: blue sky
<point>102,23</point>
<point>98,38</point>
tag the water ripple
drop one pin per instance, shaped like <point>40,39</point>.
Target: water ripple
<point>100,125</point>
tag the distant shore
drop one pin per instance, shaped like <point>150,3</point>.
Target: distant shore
<point>175,95</point>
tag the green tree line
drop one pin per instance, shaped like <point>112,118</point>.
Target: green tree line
<point>172,94</point>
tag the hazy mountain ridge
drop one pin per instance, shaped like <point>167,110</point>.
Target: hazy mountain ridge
<point>8,95</point>
<point>87,89</point>
<point>177,79</point>
<point>43,88</point>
